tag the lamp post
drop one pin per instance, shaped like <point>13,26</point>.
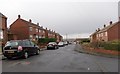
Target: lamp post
<point>66,37</point>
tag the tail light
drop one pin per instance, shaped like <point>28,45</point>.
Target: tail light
<point>20,48</point>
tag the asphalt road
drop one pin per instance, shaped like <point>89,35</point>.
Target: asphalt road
<point>64,59</point>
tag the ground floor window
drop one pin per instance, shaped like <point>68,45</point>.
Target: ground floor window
<point>1,34</point>
<point>31,36</point>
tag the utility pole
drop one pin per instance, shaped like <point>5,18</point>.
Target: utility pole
<point>66,37</point>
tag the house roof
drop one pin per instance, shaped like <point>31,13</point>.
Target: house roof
<point>29,22</point>
<point>94,33</point>
<point>2,15</point>
<point>108,27</point>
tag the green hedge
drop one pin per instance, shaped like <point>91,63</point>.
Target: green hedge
<point>46,40</point>
<point>112,45</point>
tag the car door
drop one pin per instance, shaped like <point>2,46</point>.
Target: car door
<point>28,46</point>
<point>33,47</point>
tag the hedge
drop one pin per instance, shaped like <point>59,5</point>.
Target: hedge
<point>46,40</point>
<point>112,45</point>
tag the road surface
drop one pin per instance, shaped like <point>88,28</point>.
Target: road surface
<point>64,59</point>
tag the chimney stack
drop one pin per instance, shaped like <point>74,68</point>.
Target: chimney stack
<point>98,29</point>
<point>41,26</point>
<point>38,24</point>
<point>110,22</point>
<point>30,20</point>
<point>104,25</point>
<point>18,16</point>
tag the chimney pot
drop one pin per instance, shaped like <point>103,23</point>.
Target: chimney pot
<point>98,29</point>
<point>37,23</point>
<point>110,22</point>
<point>19,16</point>
<point>104,25</point>
<point>30,20</point>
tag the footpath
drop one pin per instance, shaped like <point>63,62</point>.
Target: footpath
<point>80,49</point>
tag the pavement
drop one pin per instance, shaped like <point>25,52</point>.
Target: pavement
<point>78,48</point>
<point>64,59</point>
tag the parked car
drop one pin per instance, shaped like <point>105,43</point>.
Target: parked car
<point>52,45</point>
<point>61,44</point>
<point>20,48</point>
<point>65,42</point>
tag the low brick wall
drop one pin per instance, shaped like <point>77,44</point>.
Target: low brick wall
<point>100,50</point>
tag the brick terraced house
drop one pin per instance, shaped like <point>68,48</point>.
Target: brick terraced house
<point>3,29</point>
<point>27,30</point>
<point>108,33</point>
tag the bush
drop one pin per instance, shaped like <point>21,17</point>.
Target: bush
<point>85,41</point>
<point>46,40</point>
<point>112,45</point>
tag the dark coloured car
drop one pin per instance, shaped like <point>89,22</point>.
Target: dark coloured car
<point>20,48</point>
<point>52,45</point>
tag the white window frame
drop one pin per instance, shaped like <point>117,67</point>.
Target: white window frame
<point>106,34</point>
<point>31,28</point>
<point>31,36</point>
<point>1,34</point>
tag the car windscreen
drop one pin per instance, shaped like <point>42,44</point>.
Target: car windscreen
<point>60,43</point>
<point>12,44</point>
<point>51,43</point>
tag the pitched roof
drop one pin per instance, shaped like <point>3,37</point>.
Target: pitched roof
<point>94,33</point>
<point>108,27</point>
<point>2,15</point>
<point>29,22</point>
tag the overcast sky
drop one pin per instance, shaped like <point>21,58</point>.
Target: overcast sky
<point>76,18</point>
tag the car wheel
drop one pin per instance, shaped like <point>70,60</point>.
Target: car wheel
<point>25,55</point>
<point>38,52</point>
<point>55,47</point>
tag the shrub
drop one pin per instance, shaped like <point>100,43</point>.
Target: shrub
<point>46,40</point>
<point>112,45</point>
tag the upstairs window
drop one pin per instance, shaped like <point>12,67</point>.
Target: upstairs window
<point>36,30</point>
<point>30,28</point>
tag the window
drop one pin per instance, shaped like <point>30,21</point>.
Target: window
<point>30,28</point>
<point>1,34</point>
<point>39,31</point>
<point>105,33</point>
<point>101,34</point>
<point>43,31</point>
<point>32,44</point>
<point>36,36</point>
<point>27,43</point>
<point>31,36</point>
<point>36,30</point>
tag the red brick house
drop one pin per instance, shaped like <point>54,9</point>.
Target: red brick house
<point>58,37</point>
<point>3,28</point>
<point>108,33</point>
<point>22,29</point>
<point>26,29</point>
